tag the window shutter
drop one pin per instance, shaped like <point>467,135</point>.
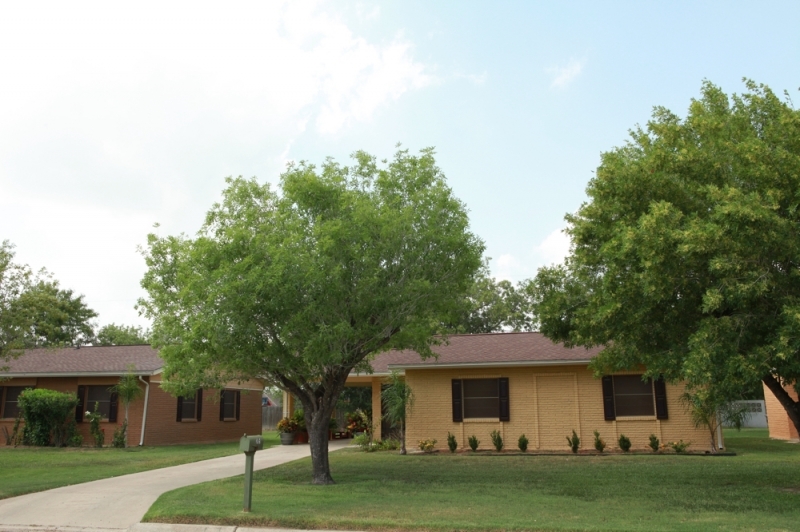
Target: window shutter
<point>458,410</point>
<point>238,403</point>
<point>503,395</point>
<point>112,409</point>
<point>2,402</point>
<point>661,398</point>
<point>180,409</point>
<point>80,409</point>
<point>199,404</point>
<point>608,398</point>
<point>222,405</point>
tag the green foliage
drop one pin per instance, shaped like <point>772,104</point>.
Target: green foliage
<point>452,444</point>
<point>119,440</point>
<point>47,415</point>
<point>473,442</point>
<point>497,440</point>
<point>128,390</point>
<point>397,398</point>
<point>113,334</point>
<point>363,442</point>
<point>98,433</point>
<point>522,443</point>
<point>355,398</point>
<point>599,443</point>
<point>359,421</point>
<point>15,436</point>
<point>301,288</point>
<point>654,443</point>
<point>684,259</point>
<point>679,446</point>
<point>574,442</point>
<point>299,419</point>
<point>427,446</point>
<point>624,443</point>
<point>286,425</point>
<point>711,410</point>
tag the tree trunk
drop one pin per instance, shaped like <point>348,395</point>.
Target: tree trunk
<point>402,437</point>
<point>317,424</point>
<point>791,406</point>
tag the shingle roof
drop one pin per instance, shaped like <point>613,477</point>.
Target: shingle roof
<point>100,360</point>
<point>502,349</point>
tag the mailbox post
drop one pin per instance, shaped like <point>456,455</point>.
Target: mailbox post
<point>249,445</point>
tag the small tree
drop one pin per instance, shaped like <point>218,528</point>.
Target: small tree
<point>711,410</point>
<point>128,391</point>
<point>398,398</point>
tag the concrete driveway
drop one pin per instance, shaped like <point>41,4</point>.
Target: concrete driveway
<point>120,502</point>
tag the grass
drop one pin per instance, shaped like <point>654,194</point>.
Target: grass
<point>29,469</point>
<point>759,489</point>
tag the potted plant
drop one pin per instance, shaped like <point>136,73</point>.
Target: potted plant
<point>287,427</point>
<point>358,423</point>
<point>301,434</point>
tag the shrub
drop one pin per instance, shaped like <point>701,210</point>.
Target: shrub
<point>497,440</point>
<point>473,442</point>
<point>119,439</point>
<point>522,443</point>
<point>363,442</point>
<point>624,443</point>
<point>47,414</point>
<point>654,443</point>
<point>599,443</point>
<point>680,446</point>
<point>452,444</point>
<point>98,433</point>
<point>574,442</point>
<point>427,445</point>
<point>14,437</point>
<point>389,444</point>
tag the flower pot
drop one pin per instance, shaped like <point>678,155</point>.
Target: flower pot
<point>301,437</point>
<point>287,438</point>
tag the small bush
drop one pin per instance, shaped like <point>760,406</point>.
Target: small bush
<point>473,442</point>
<point>47,414</point>
<point>654,443</point>
<point>522,443</point>
<point>118,440</point>
<point>680,446</point>
<point>452,444</point>
<point>427,445</point>
<point>624,443</point>
<point>497,440</point>
<point>363,442</point>
<point>98,433</point>
<point>389,444</point>
<point>599,443</point>
<point>574,442</point>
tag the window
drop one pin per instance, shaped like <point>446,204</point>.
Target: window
<point>480,398</point>
<point>190,408</point>
<point>10,397</point>
<point>229,405</point>
<point>105,399</point>
<point>629,395</point>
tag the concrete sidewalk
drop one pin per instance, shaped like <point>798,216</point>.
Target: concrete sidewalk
<point>120,502</point>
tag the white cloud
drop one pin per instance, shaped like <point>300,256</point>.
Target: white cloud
<point>554,248</point>
<point>475,79</point>
<point>564,75</point>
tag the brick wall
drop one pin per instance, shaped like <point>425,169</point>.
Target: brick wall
<point>545,405</point>
<point>780,426</point>
<point>162,427</point>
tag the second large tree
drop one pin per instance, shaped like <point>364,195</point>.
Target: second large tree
<point>302,287</point>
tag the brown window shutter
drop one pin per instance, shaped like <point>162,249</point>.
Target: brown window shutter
<point>661,398</point>
<point>608,398</point>
<point>180,409</point>
<point>112,408</point>
<point>238,403</point>
<point>199,404</point>
<point>505,414</point>
<point>222,405</point>
<point>80,409</point>
<point>458,410</point>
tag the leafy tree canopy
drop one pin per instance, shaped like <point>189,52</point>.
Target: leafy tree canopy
<point>686,258</point>
<point>302,287</point>
<point>113,334</point>
<point>35,311</point>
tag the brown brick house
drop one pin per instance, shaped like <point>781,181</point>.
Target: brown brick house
<point>523,383</point>
<point>156,419</point>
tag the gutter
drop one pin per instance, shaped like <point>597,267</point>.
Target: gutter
<point>144,413</point>
<point>78,374</point>
<point>457,365</point>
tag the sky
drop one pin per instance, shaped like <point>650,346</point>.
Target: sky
<point>118,116</point>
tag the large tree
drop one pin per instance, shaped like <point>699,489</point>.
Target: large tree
<point>35,311</point>
<point>686,258</point>
<point>113,334</point>
<point>302,287</point>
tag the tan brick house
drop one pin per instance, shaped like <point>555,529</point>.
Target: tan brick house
<point>523,383</point>
<point>780,426</point>
<point>156,419</point>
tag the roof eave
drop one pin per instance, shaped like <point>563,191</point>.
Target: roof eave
<point>78,374</point>
<point>523,363</point>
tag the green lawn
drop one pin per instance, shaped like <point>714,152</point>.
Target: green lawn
<point>759,489</point>
<point>25,470</point>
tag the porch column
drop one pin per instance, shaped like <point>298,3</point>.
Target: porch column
<point>288,404</point>
<point>376,408</point>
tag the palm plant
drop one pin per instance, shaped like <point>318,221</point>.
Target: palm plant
<point>398,398</point>
<point>127,391</point>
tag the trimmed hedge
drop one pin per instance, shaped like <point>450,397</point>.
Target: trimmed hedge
<point>49,417</point>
